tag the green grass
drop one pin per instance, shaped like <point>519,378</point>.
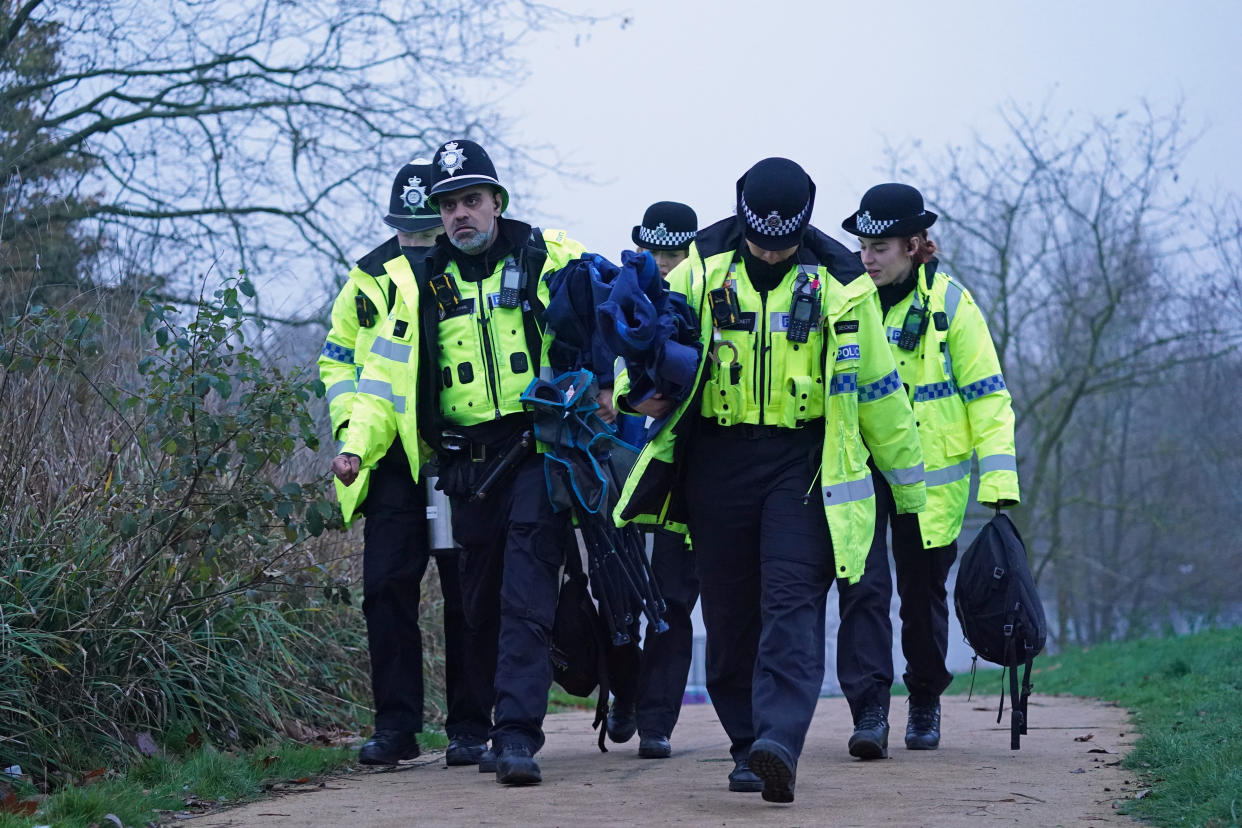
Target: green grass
<point>1186,697</point>
<point>159,786</point>
<point>559,701</point>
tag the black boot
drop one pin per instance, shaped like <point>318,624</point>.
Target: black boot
<point>516,766</point>
<point>870,739</point>
<point>487,761</point>
<point>654,746</point>
<point>923,725</point>
<point>388,747</point>
<point>622,721</point>
<point>742,779</point>
<point>464,751</point>
<point>772,766</point>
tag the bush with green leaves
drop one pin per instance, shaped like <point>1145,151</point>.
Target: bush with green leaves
<point>158,561</point>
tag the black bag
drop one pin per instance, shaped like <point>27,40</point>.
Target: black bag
<point>579,646</point>
<point>999,608</point>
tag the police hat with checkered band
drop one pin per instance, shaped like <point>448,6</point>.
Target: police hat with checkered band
<point>460,164</point>
<point>890,211</point>
<point>408,210</point>
<point>667,225</point>
<point>774,203</point>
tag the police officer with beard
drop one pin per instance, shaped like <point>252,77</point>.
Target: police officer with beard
<point>395,544</point>
<point>766,463</point>
<point>461,359</point>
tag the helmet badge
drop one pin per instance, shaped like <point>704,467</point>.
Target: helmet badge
<point>773,221</point>
<point>451,158</point>
<point>413,195</point>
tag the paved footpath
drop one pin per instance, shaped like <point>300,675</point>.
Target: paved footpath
<point>1067,773</point>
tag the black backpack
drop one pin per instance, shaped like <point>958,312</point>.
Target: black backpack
<point>579,645</point>
<point>1000,611</point>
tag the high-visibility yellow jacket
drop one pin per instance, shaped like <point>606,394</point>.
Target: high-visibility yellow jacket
<point>961,404</point>
<point>843,374</point>
<point>375,285</point>
<point>396,388</point>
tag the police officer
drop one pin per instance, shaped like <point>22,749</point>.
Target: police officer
<point>776,490</point>
<point>459,360</point>
<point>649,699</point>
<point>395,546</point>
<point>951,373</point>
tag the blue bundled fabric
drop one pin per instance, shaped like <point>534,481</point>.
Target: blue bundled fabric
<point>653,331</point>
<point>576,290</point>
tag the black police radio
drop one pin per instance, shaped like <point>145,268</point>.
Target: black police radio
<point>804,309</point>
<point>512,284</point>
<point>913,328</point>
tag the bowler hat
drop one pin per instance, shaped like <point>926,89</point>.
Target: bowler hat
<point>774,202</point>
<point>667,225</point>
<point>408,209</point>
<point>463,163</point>
<point>890,211</point>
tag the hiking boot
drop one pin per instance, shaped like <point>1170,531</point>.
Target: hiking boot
<point>654,746</point>
<point>464,751</point>
<point>742,779</point>
<point>516,766</point>
<point>622,722</point>
<point>774,770</point>
<point>388,747</point>
<point>487,761</point>
<point>870,739</point>
<point>923,725</point>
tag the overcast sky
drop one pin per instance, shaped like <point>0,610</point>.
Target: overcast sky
<point>684,97</point>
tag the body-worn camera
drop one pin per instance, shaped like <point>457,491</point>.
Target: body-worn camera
<point>725,308</point>
<point>448,297</point>
<point>365,309</point>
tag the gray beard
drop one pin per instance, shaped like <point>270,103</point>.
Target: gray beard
<point>473,245</point>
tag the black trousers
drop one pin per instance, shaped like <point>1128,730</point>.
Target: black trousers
<point>394,559</point>
<point>865,637</point>
<point>513,546</point>
<point>765,566</point>
<point>666,657</point>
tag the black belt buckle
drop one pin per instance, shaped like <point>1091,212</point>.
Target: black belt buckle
<point>478,452</point>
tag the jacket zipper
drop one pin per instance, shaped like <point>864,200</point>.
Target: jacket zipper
<point>761,351</point>
<point>489,359</point>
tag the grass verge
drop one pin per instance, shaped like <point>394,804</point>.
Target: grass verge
<point>1186,697</point>
<point>160,786</point>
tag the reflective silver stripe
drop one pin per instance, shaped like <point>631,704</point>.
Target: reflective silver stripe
<point>339,388</point>
<point>904,477</point>
<point>951,474</point>
<point>849,491</point>
<point>998,462</point>
<point>952,295</point>
<point>894,334</point>
<point>340,446</point>
<point>383,390</point>
<point>388,349</point>
<point>545,372</point>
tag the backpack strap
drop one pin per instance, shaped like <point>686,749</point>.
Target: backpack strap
<point>1017,719</point>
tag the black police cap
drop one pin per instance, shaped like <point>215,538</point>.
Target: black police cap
<point>774,202</point>
<point>667,225</point>
<point>890,211</point>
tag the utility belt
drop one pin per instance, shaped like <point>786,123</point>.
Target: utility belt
<point>748,431</point>
<point>471,468</point>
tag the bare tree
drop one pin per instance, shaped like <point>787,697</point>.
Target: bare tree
<point>1086,257</point>
<point>234,132</point>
